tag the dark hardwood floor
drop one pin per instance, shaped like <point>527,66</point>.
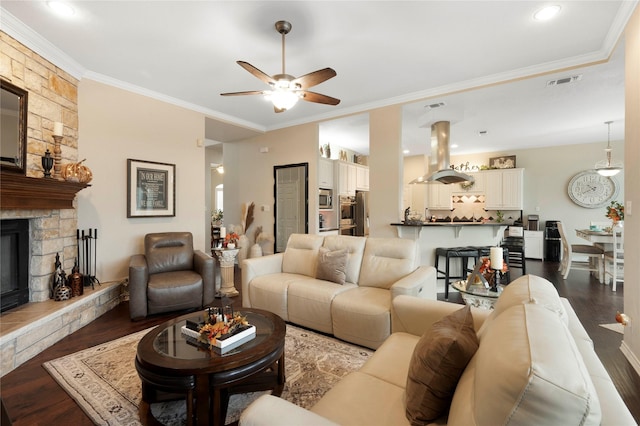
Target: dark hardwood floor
<point>32,397</point>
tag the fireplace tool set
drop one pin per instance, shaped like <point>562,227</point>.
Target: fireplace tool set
<point>87,254</point>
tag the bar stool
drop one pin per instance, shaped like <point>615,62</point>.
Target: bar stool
<point>515,245</point>
<point>464,253</point>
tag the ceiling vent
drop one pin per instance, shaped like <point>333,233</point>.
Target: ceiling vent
<point>564,80</point>
<point>436,105</point>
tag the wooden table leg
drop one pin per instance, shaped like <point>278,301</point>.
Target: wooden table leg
<point>201,399</point>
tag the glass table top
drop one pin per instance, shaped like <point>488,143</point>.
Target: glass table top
<point>173,343</point>
<point>477,289</point>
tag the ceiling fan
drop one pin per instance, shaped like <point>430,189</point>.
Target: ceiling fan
<point>286,89</point>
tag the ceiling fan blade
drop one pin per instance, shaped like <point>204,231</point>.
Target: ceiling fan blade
<point>314,78</point>
<point>318,98</point>
<point>250,92</point>
<point>256,72</point>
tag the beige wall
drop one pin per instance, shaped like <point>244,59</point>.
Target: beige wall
<point>248,173</point>
<point>631,343</point>
<point>385,170</point>
<point>116,125</point>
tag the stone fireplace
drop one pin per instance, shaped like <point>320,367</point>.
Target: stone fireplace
<point>49,232</point>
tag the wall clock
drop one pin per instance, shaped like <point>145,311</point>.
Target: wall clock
<point>591,190</point>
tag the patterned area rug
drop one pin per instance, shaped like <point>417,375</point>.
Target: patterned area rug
<point>104,382</point>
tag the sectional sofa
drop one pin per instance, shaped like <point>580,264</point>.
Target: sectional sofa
<point>341,285</point>
<point>534,365</point>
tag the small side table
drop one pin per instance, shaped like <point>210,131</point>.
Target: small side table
<point>227,258</point>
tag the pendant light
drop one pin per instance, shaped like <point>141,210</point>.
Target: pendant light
<point>606,167</point>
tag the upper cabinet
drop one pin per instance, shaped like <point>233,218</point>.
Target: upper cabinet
<point>345,177</point>
<point>362,177</point>
<point>503,189</point>
<point>325,173</point>
<point>439,196</point>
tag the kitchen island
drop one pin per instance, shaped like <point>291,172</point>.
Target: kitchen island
<point>431,235</point>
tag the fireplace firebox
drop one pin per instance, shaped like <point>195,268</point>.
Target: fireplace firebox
<point>14,263</point>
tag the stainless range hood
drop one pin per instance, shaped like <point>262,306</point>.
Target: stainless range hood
<point>439,167</point>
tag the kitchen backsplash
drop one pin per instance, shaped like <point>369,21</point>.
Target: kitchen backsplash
<point>468,208</point>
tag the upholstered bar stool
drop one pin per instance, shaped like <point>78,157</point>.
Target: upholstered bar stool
<point>463,253</point>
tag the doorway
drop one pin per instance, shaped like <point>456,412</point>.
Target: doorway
<point>291,209</point>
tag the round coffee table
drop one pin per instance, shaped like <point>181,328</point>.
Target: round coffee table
<point>172,366</point>
<point>477,295</point>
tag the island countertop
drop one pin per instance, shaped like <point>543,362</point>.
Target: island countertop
<point>505,223</point>
<point>432,235</point>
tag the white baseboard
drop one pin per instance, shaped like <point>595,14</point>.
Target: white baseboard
<point>631,357</point>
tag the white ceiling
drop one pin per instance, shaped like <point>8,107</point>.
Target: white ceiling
<point>385,52</point>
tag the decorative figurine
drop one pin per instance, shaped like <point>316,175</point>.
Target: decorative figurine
<point>47,163</point>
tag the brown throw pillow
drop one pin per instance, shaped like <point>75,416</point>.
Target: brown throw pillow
<point>438,360</point>
<point>332,265</point>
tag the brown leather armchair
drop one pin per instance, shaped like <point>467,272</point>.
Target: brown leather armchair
<point>169,276</point>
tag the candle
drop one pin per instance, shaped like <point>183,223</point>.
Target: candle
<point>496,258</point>
<point>223,232</point>
<point>57,128</point>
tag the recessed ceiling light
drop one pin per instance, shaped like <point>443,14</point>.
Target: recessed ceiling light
<point>61,8</point>
<point>546,13</point>
<point>454,145</point>
<point>406,151</point>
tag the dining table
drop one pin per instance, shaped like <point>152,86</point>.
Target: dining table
<point>602,239</point>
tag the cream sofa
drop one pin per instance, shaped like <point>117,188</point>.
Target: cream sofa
<point>535,365</point>
<point>358,311</point>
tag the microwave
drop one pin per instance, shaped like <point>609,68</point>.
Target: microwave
<point>325,198</point>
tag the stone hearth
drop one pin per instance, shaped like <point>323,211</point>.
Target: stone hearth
<point>29,329</point>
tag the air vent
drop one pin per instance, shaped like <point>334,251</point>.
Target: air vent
<point>436,105</point>
<point>564,80</point>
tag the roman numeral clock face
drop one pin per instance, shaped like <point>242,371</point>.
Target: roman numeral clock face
<point>591,190</point>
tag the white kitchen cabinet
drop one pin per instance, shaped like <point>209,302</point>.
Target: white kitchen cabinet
<point>439,196</point>
<point>503,189</point>
<point>362,178</point>
<point>534,244</point>
<point>325,173</point>
<point>345,176</point>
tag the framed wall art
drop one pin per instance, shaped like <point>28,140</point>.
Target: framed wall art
<point>151,189</point>
<point>504,162</point>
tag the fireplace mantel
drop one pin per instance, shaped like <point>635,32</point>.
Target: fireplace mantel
<point>24,192</point>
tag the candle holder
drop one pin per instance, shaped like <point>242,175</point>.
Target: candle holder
<point>47,163</point>
<point>57,156</point>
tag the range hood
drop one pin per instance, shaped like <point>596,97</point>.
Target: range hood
<point>439,167</point>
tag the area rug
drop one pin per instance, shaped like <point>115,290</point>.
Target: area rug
<point>104,382</point>
<point>616,326</point>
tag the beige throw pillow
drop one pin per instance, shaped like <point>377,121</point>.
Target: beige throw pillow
<point>332,265</point>
<point>437,363</point>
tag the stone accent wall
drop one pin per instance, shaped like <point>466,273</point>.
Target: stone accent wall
<point>53,96</point>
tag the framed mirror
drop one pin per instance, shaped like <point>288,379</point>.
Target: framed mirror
<point>13,128</point>
<point>291,209</point>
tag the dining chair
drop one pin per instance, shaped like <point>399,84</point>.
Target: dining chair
<point>614,259</point>
<point>573,256</point>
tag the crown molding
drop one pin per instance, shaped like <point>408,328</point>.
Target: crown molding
<point>34,41</point>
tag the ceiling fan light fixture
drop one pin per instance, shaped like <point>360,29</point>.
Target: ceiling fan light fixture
<point>607,167</point>
<point>283,99</point>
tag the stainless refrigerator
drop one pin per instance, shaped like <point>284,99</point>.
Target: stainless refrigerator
<point>361,218</point>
